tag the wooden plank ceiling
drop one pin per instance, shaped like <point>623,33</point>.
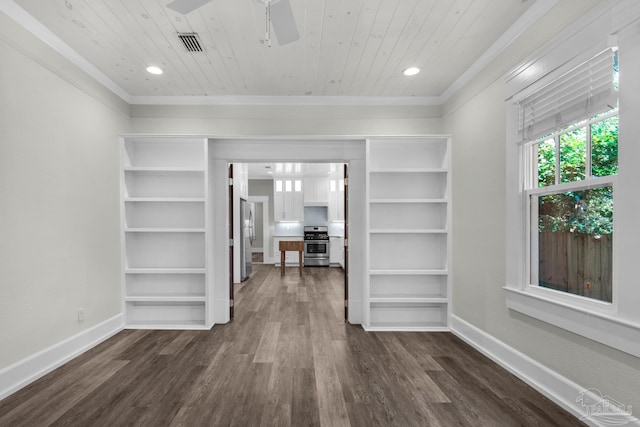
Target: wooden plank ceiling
<point>346,47</point>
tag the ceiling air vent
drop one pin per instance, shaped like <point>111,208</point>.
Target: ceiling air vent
<point>191,42</point>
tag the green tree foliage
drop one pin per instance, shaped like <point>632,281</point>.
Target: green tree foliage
<point>586,211</point>
<point>604,147</point>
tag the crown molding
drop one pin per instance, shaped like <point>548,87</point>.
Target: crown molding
<point>526,21</point>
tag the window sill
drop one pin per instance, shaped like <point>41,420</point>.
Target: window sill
<point>614,332</point>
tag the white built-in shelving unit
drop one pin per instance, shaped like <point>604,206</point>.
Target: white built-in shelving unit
<point>164,226</point>
<point>408,222</point>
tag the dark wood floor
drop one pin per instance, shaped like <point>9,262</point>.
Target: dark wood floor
<point>288,359</point>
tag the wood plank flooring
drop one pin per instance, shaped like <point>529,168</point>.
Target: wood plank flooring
<point>288,359</point>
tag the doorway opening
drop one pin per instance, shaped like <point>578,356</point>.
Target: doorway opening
<point>285,201</point>
<point>224,152</point>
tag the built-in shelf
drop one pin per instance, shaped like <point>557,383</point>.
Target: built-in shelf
<point>165,199</point>
<point>164,217</point>
<point>165,270</point>
<point>167,324</point>
<point>408,222</point>
<point>409,299</point>
<point>164,230</point>
<point>412,272</point>
<point>164,170</point>
<point>406,327</point>
<point>165,298</point>
<point>409,170</point>
<point>407,231</point>
<point>399,201</point>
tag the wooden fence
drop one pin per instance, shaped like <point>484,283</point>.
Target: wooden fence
<point>578,264</point>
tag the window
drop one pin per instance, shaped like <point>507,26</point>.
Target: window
<point>569,178</point>
<point>564,188</point>
<point>570,197</point>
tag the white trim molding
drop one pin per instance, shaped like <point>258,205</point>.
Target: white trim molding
<point>613,331</point>
<point>28,370</point>
<point>538,10</point>
<point>559,389</point>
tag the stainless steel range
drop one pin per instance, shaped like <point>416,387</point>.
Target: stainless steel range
<point>316,246</point>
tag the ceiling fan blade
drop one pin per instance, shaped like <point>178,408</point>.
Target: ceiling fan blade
<point>283,22</point>
<point>186,6</point>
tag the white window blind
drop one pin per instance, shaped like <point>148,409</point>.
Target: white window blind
<point>579,94</point>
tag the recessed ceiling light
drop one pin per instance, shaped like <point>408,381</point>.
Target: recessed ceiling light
<point>411,71</point>
<point>154,70</point>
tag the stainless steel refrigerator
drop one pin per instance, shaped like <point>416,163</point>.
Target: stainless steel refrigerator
<point>246,238</point>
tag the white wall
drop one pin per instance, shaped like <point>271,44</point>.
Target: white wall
<point>59,192</point>
<point>476,119</point>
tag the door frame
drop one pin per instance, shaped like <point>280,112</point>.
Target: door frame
<point>345,248</point>
<point>231,251</point>
<point>302,149</point>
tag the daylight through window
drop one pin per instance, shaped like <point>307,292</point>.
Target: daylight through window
<point>571,208</point>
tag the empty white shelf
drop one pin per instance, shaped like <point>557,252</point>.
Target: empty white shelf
<point>165,271</point>
<point>409,300</point>
<point>408,231</point>
<point>164,230</point>
<point>438,272</point>
<point>165,199</point>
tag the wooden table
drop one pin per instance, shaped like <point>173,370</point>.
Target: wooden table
<point>290,245</point>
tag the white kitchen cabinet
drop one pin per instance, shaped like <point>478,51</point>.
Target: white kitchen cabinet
<point>316,190</point>
<point>408,231</point>
<point>291,257</point>
<point>336,250</point>
<point>288,199</point>
<point>164,232</point>
<point>336,197</point>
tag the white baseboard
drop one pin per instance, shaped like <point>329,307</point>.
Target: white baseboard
<point>26,371</point>
<point>548,382</point>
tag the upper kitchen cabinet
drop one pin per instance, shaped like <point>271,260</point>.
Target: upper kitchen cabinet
<point>164,205</point>
<point>288,197</point>
<point>409,241</point>
<point>316,190</point>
